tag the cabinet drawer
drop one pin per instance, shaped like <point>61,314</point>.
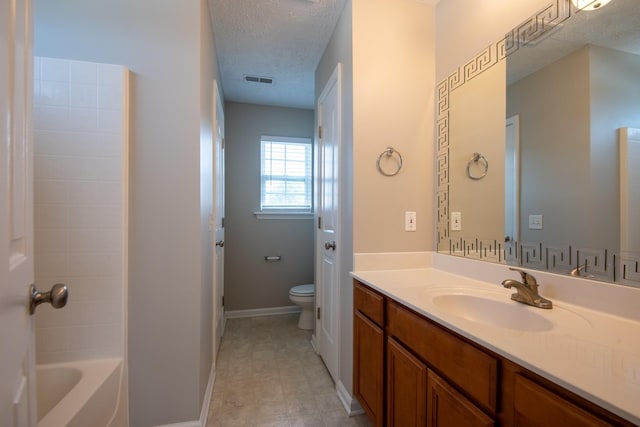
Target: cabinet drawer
<point>368,302</point>
<point>473,370</point>
<point>534,405</point>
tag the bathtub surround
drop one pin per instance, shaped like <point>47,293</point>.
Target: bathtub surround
<point>168,46</point>
<point>81,150</point>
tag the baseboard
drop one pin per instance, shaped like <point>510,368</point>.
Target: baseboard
<point>351,405</point>
<point>204,413</point>
<point>257,312</point>
<point>314,343</point>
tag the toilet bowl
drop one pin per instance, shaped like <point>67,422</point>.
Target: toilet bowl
<point>304,296</point>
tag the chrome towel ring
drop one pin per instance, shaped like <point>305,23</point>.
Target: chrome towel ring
<point>389,154</point>
<point>483,164</point>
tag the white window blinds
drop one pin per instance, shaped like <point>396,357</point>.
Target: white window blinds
<point>286,174</point>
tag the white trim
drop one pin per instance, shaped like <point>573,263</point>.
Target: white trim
<point>334,81</point>
<point>314,343</point>
<point>204,413</point>
<point>283,215</point>
<point>351,404</point>
<point>256,312</point>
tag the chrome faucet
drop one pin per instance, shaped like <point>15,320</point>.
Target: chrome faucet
<point>580,270</point>
<point>527,290</point>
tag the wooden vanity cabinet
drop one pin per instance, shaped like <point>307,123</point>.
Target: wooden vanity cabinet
<point>410,371</point>
<point>368,352</point>
<point>535,405</point>
<point>406,387</point>
<point>448,408</point>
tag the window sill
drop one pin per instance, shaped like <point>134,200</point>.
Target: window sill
<point>283,215</point>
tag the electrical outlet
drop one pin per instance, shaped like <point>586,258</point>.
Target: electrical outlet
<point>410,221</point>
<point>456,221</point>
<point>535,222</point>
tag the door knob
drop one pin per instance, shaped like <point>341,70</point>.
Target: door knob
<point>220,243</point>
<point>331,245</point>
<point>57,296</point>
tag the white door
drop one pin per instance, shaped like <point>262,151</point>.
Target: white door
<point>328,242</point>
<point>17,371</point>
<point>218,218</point>
<point>512,180</point>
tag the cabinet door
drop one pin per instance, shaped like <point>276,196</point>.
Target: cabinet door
<point>534,405</point>
<point>368,368</point>
<point>448,408</point>
<point>406,388</point>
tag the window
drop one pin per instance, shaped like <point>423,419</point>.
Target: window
<point>286,174</point>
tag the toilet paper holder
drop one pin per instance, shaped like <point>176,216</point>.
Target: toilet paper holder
<point>272,258</point>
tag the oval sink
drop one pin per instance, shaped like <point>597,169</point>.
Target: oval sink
<point>502,314</point>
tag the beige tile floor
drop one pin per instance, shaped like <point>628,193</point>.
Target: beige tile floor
<point>269,375</point>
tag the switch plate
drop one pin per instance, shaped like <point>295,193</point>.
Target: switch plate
<point>535,222</point>
<point>410,221</point>
<point>456,221</point>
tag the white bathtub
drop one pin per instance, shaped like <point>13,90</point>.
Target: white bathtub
<point>78,394</point>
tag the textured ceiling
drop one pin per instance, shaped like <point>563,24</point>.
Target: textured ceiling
<point>278,39</point>
<point>616,26</point>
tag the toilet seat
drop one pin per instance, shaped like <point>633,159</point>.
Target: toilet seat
<point>303,290</point>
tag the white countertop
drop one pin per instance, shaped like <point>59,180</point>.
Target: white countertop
<point>595,354</point>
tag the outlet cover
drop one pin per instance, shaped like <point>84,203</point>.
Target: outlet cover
<point>456,221</point>
<point>410,221</point>
<point>535,222</point>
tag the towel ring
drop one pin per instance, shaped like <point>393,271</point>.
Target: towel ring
<point>389,152</point>
<point>482,162</point>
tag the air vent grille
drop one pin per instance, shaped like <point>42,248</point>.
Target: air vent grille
<point>258,79</point>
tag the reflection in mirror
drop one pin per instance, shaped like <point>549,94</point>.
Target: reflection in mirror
<point>561,193</point>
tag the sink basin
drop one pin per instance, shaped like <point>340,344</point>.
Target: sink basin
<point>501,314</point>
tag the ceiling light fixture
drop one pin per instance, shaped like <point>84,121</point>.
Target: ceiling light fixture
<point>589,4</point>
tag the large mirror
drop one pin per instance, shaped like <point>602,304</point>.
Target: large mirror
<point>539,145</point>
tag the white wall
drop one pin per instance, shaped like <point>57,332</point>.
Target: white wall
<point>387,52</point>
<point>80,207</point>
<point>166,44</point>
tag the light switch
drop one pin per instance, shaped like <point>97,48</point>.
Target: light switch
<point>410,221</point>
<point>535,222</point>
<point>456,221</point>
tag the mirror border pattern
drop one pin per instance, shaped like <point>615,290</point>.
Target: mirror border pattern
<point>603,264</point>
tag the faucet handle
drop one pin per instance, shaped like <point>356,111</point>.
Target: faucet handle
<point>527,278</point>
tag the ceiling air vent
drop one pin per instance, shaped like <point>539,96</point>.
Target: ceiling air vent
<point>258,79</point>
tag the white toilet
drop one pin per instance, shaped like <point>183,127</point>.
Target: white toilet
<point>304,296</point>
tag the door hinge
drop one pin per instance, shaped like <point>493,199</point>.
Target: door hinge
<point>320,132</point>
<point>318,315</point>
<point>222,222</point>
<point>319,223</point>
<point>223,300</point>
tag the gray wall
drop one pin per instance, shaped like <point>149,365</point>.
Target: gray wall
<point>166,44</point>
<point>553,104</point>
<point>569,115</point>
<point>250,282</point>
